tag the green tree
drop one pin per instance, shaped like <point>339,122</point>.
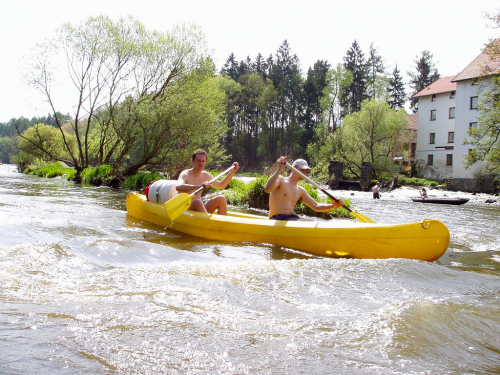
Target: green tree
<point>43,142</point>
<point>322,150</point>
<point>314,85</point>
<point>426,73</point>
<point>231,67</point>
<point>120,72</point>
<point>369,135</point>
<point>287,79</point>
<point>353,96</point>
<point>338,80</point>
<point>232,89</point>
<point>7,149</point>
<point>377,81</point>
<point>397,96</point>
<point>269,138</point>
<point>485,138</point>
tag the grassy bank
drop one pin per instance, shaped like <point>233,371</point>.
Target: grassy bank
<point>415,181</point>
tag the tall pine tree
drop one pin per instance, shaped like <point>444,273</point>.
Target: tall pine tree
<point>376,78</point>
<point>313,92</point>
<point>231,67</point>
<point>397,95</point>
<point>425,75</point>
<point>354,95</point>
<point>287,79</point>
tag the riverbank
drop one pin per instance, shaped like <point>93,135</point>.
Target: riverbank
<point>405,193</point>
<point>96,176</point>
<point>408,192</point>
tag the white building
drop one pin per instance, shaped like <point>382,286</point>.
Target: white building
<point>446,110</point>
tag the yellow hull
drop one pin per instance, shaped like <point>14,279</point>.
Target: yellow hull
<point>426,241</point>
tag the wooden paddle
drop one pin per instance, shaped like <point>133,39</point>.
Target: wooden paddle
<point>180,203</point>
<point>361,218</point>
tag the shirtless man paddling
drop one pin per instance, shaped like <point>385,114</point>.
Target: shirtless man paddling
<point>285,193</point>
<point>192,179</point>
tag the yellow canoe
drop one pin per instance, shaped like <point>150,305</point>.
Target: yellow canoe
<point>426,240</point>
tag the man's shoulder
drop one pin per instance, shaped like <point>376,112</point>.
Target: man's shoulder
<point>185,172</point>
<point>186,175</point>
<point>301,189</point>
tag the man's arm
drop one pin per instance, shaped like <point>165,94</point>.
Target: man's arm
<point>318,207</point>
<point>223,183</point>
<point>273,181</point>
<point>183,186</point>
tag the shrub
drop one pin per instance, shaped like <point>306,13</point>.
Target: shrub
<point>256,196</point>
<point>141,180</point>
<point>416,181</point>
<point>301,208</point>
<point>51,170</point>
<point>96,175</point>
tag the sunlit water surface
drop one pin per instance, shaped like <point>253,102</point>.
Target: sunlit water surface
<point>88,289</point>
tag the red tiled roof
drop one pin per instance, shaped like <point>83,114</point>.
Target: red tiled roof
<point>483,65</point>
<point>438,87</point>
<point>412,122</point>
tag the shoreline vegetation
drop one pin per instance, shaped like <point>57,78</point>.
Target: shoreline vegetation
<point>238,193</point>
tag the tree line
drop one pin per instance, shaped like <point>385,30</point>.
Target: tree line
<point>146,99</point>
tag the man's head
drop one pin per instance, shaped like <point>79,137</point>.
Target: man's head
<point>301,164</point>
<point>199,152</point>
<point>199,159</point>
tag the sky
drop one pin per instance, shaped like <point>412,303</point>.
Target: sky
<point>454,31</point>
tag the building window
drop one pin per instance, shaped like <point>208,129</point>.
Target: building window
<point>430,159</point>
<point>413,150</point>
<point>472,124</point>
<point>432,138</point>
<point>433,115</point>
<point>452,112</point>
<point>449,159</point>
<point>452,95</point>
<point>473,102</point>
<point>433,98</point>
<point>451,137</point>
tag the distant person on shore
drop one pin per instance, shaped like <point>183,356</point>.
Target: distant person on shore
<point>284,193</point>
<point>376,191</point>
<point>194,178</point>
<point>423,193</point>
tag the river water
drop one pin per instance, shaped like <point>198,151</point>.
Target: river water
<point>86,289</point>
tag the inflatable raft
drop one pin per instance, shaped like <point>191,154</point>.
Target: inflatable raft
<point>426,240</point>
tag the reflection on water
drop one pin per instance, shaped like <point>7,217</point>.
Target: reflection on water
<point>88,289</point>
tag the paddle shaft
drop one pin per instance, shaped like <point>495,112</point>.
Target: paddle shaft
<point>317,186</point>
<point>212,180</point>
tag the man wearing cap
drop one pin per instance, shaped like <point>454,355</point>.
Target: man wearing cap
<point>285,193</point>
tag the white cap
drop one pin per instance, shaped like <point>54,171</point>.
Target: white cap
<point>301,163</point>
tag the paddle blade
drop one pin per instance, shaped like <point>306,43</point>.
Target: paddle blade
<point>362,218</point>
<point>177,205</point>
